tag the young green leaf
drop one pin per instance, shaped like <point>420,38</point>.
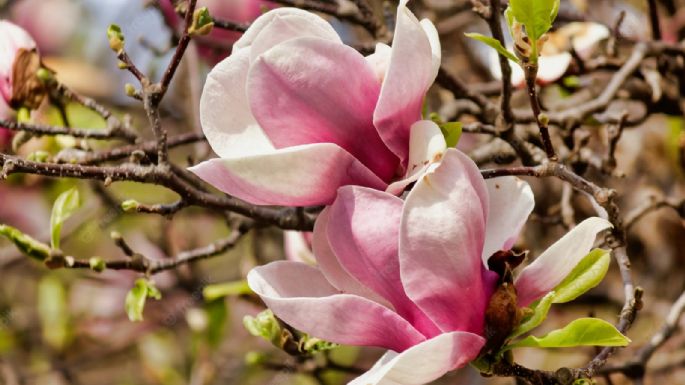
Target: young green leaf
<point>64,206</point>
<point>452,132</point>
<point>264,325</point>
<point>136,297</point>
<point>536,15</point>
<point>580,332</point>
<point>25,243</point>
<point>494,43</point>
<point>588,274</point>
<point>540,310</point>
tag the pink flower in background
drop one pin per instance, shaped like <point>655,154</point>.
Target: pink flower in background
<point>239,11</point>
<point>294,113</point>
<point>45,21</point>
<point>410,275</point>
<point>12,40</point>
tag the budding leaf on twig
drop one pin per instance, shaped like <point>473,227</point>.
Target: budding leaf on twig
<point>202,22</point>
<point>494,43</point>
<point>263,325</point>
<point>536,15</point>
<point>25,243</point>
<point>64,206</point>
<point>137,296</point>
<point>116,38</point>
<point>580,332</point>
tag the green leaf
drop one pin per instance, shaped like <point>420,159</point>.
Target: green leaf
<point>136,297</point>
<point>540,310</point>
<point>580,332</point>
<point>494,43</point>
<point>212,292</point>
<point>25,243</point>
<point>264,325</point>
<point>64,206</point>
<point>536,15</point>
<point>452,132</point>
<point>586,275</point>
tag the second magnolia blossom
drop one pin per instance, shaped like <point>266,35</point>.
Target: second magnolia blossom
<point>411,275</point>
<point>16,46</point>
<point>294,113</point>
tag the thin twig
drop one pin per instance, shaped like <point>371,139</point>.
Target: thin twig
<point>87,133</point>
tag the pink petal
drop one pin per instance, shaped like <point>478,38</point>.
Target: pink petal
<point>424,362</point>
<point>284,27</point>
<point>363,231</point>
<point>330,266</point>
<point>225,114</point>
<point>441,241</point>
<point>511,202</point>
<point>294,176</point>
<point>313,24</point>
<point>552,266</point>
<point>311,90</point>
<point>300,295</point>
<point>410,73</point>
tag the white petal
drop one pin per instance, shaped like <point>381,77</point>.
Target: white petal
<point>225,114</point>
<point>379,60</point>
<point>511,201</point>
<point>424,362</point>
<point>434,39</point>
<point>426,146</point>
<point>552,266</point>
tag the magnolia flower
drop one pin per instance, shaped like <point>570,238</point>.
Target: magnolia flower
<point>15,43</point>
<point>410,275</point>
<point>555,57</point>
<point>294,113</point>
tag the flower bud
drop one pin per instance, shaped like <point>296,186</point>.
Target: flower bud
<point>19,65</point>
<point>116,38</point>
<point>202,22</point>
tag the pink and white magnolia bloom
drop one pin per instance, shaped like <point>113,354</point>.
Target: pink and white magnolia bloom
<point>294,113</point>
<point>12,40</point>
<point>411,275</point>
